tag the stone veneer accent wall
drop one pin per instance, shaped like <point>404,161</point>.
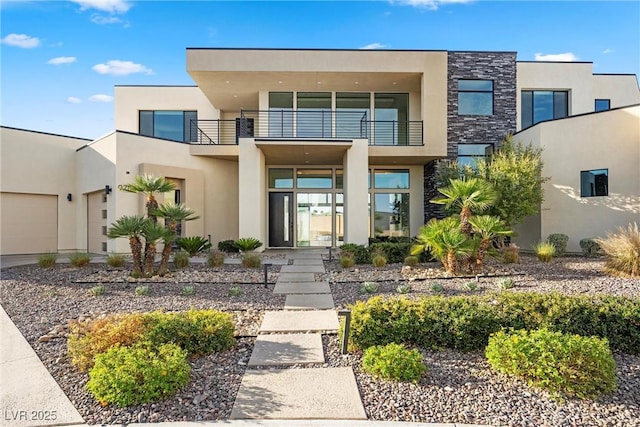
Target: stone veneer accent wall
<point>497,66</point>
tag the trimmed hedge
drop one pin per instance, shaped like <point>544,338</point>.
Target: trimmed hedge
<point>394,362</point>
<point>561,363</point>
<point>465,322</point>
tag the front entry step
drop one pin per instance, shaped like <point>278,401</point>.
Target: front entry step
<point>309,302</point>
<point>287,349</point>
<point>285,394</point>
<point>299,321</point>
<point>302,288</point>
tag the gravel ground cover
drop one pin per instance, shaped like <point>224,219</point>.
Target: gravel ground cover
<point>459,387</point>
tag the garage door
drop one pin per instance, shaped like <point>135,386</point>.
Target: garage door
<point>97,222</point>
<point>29,223</point>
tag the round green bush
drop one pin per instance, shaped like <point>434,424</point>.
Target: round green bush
<point>393,362</point>
<point>379,261</point>
<point>561,363</point>
<point>215,258</point>
<point>115,260</point>
<point>251,260</point>
<point>181,259</point>
<point>139,374</point>
<point>347,261</point>
<point>411,261</point>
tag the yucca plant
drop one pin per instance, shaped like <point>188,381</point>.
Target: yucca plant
<point>246,244</point>
<point>445,241</point>
<point>623,250</point>
<point>545,251</point>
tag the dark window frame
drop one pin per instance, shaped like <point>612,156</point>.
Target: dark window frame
<point>595,104</point>
<point>467,156</point>
<point>593,187</point>
<point>477,91</point>
<point>187,134</point>
<point>555,115</point>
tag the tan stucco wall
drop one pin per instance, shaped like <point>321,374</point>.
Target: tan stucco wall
<point>606,140</point>
<point>39,163</point>
<point>129,100</point>
<point>622,90</point>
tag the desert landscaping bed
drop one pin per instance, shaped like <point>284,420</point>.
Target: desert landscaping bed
<point>459,387</point>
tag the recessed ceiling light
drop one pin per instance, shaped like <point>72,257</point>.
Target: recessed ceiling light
<point>227,82</point>
<point>357,83</point>
<point>395,83</point>
<point>235,96</point>
<point>319,82</point>
<point>279,82</point>
<point>306,161</point>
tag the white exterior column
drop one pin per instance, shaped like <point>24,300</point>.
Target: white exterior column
<point>252,212</point>
<point>356,191</point>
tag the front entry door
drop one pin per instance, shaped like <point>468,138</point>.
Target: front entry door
<point>281,220</point>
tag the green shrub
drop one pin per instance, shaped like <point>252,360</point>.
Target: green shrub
<point>559,241</point>
<point>378,261</point>
<point>142,290</point>
<point>197,331</point>
<point>411,261</point>
<point>228,246</point>
<point>115,260</point>
<point>394,252</point>
<point>79,259</point>
<point>545,251</point>
<point>465,322</point>
<point>140,374</point>
<point>472,286</point>
<point>188,291</point>
<point>347,261</point>
<point>510,254</point>
<point>193,244</point>
<point>360,253</point>
<point>369,288</point>
<point>568,364</point>
<point>436,288</point>
<point>403,289</point>
<point>97,290</point>
<point>235,291</point>
<point>394,362</point>
<point>181,260</point>
<point>246,244</point>
<point>506,283</point>
<point>47,260</point>
<point>251,260</point>
<point>622,250</point>
<point>590,247</point>
<point>215,258</point>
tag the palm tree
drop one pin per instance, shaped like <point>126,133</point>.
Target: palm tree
<point>468,195</point>
<point>487,228</point>
<point>152,233</point>
<point>131,227</point>
<point>149,185</point>
<point>173,215</point>
<point>445,241</point>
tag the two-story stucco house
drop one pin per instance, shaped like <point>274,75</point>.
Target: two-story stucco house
<point>304,148</point>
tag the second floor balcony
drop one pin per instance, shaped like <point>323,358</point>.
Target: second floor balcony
<point>307,124</point>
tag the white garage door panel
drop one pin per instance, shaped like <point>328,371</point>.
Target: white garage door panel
<point>29,223</point>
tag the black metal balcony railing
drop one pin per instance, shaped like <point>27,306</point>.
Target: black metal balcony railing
<point>307,124</point>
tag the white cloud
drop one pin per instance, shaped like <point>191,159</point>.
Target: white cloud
<point>73,100</point>
<point>559,57</point>
<point>62,60</point>
<point>372,46</point>
<point>116,67</point>
<point>21,40</point>
<point>429,4</point>
<point>607,50</point>
<point>110,6</point>
<point>101,98</point>
<point>105,20</point>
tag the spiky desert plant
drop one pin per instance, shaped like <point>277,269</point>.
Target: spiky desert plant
<point>545,251</point>
<point>468,195</point>
<point>153,233</point>
<point>487,228</point>
<point>444,239</point>
<point>173,215</point>
<point>623,250</point>
<point>150,186</point>
<point>130,226</point>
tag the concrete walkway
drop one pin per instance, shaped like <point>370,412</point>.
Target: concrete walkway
<point>293,336</point>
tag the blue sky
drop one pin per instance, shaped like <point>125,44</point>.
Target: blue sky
<point>61,59</point>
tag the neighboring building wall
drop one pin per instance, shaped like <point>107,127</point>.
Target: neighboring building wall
<point>606,140</point>
<point>621,89</point>
<point>129,100</point>
<point>35,165</point>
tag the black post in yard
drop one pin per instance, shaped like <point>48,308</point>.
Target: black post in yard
<point>266,273</point>
<point>345,331</point>
<point>329,252</point>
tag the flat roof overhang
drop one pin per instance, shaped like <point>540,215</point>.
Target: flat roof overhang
<point>232,78</point>
<point>303,152</point>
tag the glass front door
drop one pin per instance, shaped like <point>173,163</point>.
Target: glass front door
<point>315,219</point>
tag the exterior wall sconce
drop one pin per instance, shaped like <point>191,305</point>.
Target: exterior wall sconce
<point>107,190</point>
<point>69,197</point>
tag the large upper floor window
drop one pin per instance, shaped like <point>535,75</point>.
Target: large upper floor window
<point>540,105</point>
<point>469,153</point>
<point>594,183</point>
<point>602,105</point>
<point>475,97</point>
<point>173,125</point>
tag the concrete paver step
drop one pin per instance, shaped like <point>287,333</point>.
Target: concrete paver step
<point>299,321</point>
<point>308,261</point>
<point>296,277</point>
<point>302,288</point>
<point>309,302</point>
<point>287,349</point>
<point>302,269</point>
<point>323,393</point>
